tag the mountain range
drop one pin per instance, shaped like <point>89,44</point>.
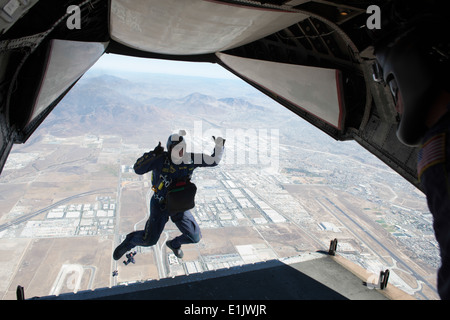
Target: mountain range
<point>107,104</point>
<point>147,108</point>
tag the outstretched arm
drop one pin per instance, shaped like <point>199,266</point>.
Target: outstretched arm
<point>203,160</point>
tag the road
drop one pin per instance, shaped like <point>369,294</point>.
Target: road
<point>158,248</point>
<point>392,254</point>
<point>159,256</point>
<point>28,216</point>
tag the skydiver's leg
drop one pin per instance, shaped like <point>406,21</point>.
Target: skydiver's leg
<point>147,237</point>
<point>189,228</point>
<point>434,170</point>
<point>154,225</point>
<point>125,246</point>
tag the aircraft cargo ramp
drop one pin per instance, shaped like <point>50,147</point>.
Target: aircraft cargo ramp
<point>311,276</point>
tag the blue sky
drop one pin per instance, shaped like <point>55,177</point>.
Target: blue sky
<point>125,63</point>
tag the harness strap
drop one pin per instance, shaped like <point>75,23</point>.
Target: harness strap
<point>164,179</point>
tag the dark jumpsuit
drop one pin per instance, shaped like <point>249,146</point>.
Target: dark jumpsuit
<point>433,167</point>
<point>158,213</point>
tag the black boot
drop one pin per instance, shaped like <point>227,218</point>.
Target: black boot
<point>178,252</point>
<point>123,247</point>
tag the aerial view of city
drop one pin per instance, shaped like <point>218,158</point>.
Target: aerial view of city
<point>69,195</point>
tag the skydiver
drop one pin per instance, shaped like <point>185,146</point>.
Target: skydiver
<point>417,70</point>
<point>169,167</point>
<point>433,170</point>
<point>130,258</point>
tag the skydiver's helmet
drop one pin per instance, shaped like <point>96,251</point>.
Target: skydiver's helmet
<point>176,147</point>
<point>413,61</point>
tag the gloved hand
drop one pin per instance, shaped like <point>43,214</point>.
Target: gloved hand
<point>158,149</point>
<point>219,141</point>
